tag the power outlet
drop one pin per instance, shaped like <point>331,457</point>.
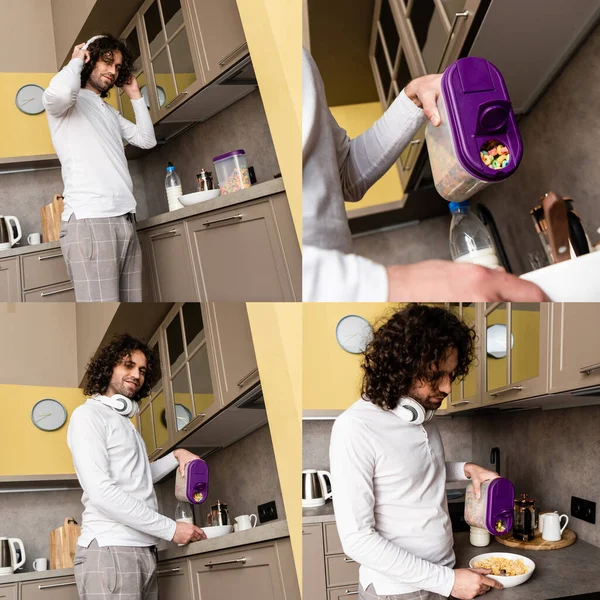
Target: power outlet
<point>583,509</point>
<point>267,512</point>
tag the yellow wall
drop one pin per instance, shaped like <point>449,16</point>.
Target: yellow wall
<point>355,119</point>
<point>32,451</point>
<point>273,31</point>
<point>277,336</point>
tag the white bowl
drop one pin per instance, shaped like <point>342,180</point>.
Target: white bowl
<point>507,581</point>
<point>217,530</point>
<point>196,197</point>
<point>574,280</point>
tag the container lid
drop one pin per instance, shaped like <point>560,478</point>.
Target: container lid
<point>229,155</point>
<point>500,505</point>
<point>454,206</point>
<point>479,110</point>
<point>170,167</point>
<point>196,488</point>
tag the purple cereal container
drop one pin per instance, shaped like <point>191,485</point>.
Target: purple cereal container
<point>475,111</point>
<point>495,508</point>
<point>193,486</point>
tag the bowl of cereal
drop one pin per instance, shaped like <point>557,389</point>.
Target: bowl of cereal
<point>507,568</point>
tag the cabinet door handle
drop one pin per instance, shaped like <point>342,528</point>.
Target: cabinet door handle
<point>227,562</point>
<point>49,257</point>
<point>179,96</point>
<point>234,218</point>
<point>460,403</point>
<point>44,294</point>
<point>164,234</point>
<point>511,388</point>
<point>240,383</point>
<point>3,269</point>
<point>232,53</point>
<point>350,593</point>
<point>55,585</point>
<point>412,145</point>
<point>588,370</point>
<point>167,571</point>
<point>348,560</point>
<point>457,16</point>
<point>197,418</point>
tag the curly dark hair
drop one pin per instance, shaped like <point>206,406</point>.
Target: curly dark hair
<point>409,347</point>
<point>103,49</point>
<point>99,370</point>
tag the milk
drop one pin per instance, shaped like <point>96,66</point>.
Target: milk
<point>486,258</point>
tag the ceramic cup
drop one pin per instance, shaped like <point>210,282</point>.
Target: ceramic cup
<point>34,238</point>
<point>40,564</point>
<point>245,522</point>
<point>553,530</point>
<point>541,520</point>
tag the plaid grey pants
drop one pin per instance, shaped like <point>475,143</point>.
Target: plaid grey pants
<point>104,258</point>
<point>115,572</point>
<point>369,594</point>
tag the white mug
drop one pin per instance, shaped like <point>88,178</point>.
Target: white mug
<point>553,530</point>
<point>245,522</point>
<point>236,527</point>
<point>541,520</point>
<point>40,564</point>
<point>34,238</point>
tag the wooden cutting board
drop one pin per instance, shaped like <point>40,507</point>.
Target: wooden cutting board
<point>51,216</point>
<point>63,544</point>
<point>538,543</point>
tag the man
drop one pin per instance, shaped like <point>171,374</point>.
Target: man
<point>98,235</point>
<point>387,462</point>
<point>336,169</point>
<point>116,553</point>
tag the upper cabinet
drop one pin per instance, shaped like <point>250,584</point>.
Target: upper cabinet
<point>575,346</point>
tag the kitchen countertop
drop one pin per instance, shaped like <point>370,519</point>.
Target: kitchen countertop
<point>321,514</point>
<point>258,190</point>
<point>30,576</point>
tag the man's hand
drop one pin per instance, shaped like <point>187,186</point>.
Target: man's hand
<point>183,457</point>
<point>469,583</point>
<point>84,55</point>
<point>132,88</point>
<point>187,533</point>
<point>424,92</point>
<point>445,281</point>
<point>478,475</point>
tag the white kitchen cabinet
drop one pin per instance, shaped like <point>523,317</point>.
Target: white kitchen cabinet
<point>575,346</point>
<point>61,588</point>
<point>8,592</point>
<point>174,580</point>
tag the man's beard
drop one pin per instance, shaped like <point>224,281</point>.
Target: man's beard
<point>430,402</point>
<point>126,390</point>
<point>100,83</point>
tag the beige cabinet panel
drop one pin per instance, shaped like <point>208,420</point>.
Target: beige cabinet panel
<point>173,580</point>
<point>147,283</point>
<point>8,592</point>
<point>251,573</point>
<point>61,292</point>
<point>10,280</point>
<point>575,346</point>
<point>348,591</point>
<point>62,588</point>
<point>170,263</point>
<point>41,270</point>
<point>220,35</point>
<point>239,255</point>
<point>341,570</point>
<point>333,545</point>
<point>313,562</point>
<point>233,349</point>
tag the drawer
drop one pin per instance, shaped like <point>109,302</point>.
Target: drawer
<point>348,591</point>
<point>60,588</point>
<point>333,545</point>
<point>341,570</point>
<point>61,292</point>
<point>41,270</point>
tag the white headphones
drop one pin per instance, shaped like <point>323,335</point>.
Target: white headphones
<point>121,404</point>
<point>92,39</point>
<point>411,411</point>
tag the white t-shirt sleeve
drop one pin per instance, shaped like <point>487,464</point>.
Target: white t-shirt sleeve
<point>352,462</point>
<point>86,438</point>
<point>64,88</point>
<point>332,276</point>
<point>163,466</point>
<point>141,133</point>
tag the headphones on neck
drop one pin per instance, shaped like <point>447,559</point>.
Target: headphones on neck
<point>121,404</point>
<point>411,411</point>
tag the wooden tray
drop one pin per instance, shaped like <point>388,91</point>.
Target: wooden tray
<point>538,543</point>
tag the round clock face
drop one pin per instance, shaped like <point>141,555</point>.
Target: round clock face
<point>182,413</point>
<point>48,415</point>
<point>162,96</point>
<point>29,99</point>
<point>353,333</point>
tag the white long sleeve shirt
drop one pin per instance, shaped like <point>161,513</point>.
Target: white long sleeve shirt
<point>389,498</point>
<point>337,169</point>
<point>87,134</point>
<point>109,454</point>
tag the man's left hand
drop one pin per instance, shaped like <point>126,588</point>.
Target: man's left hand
<point>184,457</point>
<point>424,92</point>
<point>478,475</point>
<point>132,88</point>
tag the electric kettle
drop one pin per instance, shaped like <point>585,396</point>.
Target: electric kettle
<point>316,488</point>
<point>9,562</point>
<point>7,235</point>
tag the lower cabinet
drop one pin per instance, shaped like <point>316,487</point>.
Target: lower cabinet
<point>10,282</point>
<point>8,592</point>
<point>313,562</point>
<point>62,292</point>
<point>174,580</point>
<point>349,591</point>
<point>61,588</point>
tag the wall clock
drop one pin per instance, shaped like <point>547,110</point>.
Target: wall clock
<point>29,99</point>
<point>162,96</point>
<point>48,415</point>
<point>183,415</point>
<point>353,333</point>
